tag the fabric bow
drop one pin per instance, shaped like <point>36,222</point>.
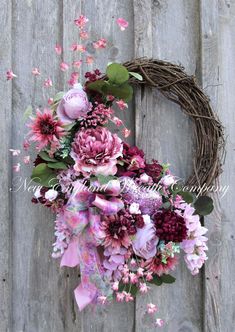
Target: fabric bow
<point>82,215</point>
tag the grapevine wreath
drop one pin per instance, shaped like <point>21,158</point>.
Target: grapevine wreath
<point>121,219</point>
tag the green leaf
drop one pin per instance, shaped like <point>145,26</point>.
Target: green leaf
<point>124,91</point>
<point>166,205</point>
<point>167,279</point>
<point>156,280</point>
<point>43,175</point>
<point>28,112</point>
<point>136,75</point>
<point>176,188</point>
<point>117,74</point>
<point>97,85</point>
<point>57,165</point>
<point>133,289</point>
<point>44,155</point>
<point>58,96</point>
<point>187,196</point>
<point>203,205</point>
<point>105,179</point>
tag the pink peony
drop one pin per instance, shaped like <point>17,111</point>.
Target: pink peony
<point>95,151</point>
<point>74,105</point>
<point>145,241</point>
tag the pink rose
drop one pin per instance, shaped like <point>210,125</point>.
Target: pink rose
<point>74,105</point>
<point>95,151</point>
<point>145,241</point>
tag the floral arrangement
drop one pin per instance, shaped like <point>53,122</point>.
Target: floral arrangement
<point>121,219</point>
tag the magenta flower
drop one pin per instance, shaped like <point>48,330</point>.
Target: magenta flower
<point>45,129</point>
<point>145,241</point>
<point>74,105</point>
<point>95,151</point>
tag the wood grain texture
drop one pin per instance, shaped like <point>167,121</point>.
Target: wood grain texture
<point>41,291</point>
<point>5,170</point>
<point>227,115</point>
<point>218,57</point>
<point>36,295</point>
<point>169,139</point>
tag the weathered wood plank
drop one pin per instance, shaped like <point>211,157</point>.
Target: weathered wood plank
<point>5,169</point>
<point>174,37</point>
<point>217,33</point>
<point>41,291</point>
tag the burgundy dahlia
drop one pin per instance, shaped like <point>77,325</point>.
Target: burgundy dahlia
<point>117,230</point>
<point>170,226</point>
<point>154,170</point>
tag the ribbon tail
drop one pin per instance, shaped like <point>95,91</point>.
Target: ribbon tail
<point>70,257</point>
<point>84,296</point>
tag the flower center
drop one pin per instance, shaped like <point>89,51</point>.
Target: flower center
<point>47,128</point>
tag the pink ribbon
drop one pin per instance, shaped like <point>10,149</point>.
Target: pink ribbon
<point>82,215</point>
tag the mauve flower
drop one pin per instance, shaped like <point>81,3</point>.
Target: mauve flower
<point>145,241</point>
<point>74,105</point>
<point>95,151</point>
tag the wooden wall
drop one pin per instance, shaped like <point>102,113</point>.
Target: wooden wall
<point>35,294</point>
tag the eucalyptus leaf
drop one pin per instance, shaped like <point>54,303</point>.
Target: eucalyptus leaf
<point>58,96</point>
<point>44,155</point>
<point>168,279</point>
<point>203,205</point>
<point>124,91</point>
<point>43,175</point>
<point>103,179</point>
<point>156,280</point>
<point>136,75</point>
<point>28,112</point>
<point>57,165</point>
<point>117,74</point>
<point>166,205</point>
<point>187,196</point>
<point>97,85</point>
<point>133,289</point>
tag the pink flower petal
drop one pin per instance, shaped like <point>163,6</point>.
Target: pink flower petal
<point>47,83</point>
<point>126,132</point>
<point>16,168</point>
<point>26,160</point>
<point>101,43</point>
<point>35,71</point>
<point>10,75</point>
<point>77,64</point>
<point>89,59</point>
<point>58,49</point>
<point>64,66</point>
<point>15,152</point>
<point>78,47</point>
<point>81,21</point>
<point>123,24</point>
<point>84,35</point>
